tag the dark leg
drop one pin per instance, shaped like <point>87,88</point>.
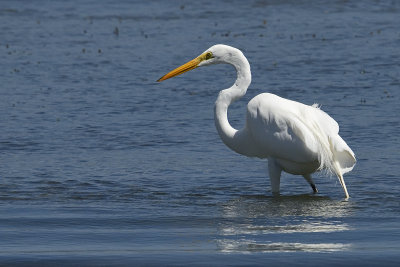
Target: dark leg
<point>311,182</point>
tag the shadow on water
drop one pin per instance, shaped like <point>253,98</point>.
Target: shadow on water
<point>283,224</point>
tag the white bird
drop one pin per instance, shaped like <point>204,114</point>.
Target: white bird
<point>294,137</point>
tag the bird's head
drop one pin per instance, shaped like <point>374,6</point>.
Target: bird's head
<point>214,55</point>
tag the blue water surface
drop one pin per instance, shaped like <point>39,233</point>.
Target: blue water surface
<point>101,165</point>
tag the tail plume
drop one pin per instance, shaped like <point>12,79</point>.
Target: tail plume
<point>334,154</point>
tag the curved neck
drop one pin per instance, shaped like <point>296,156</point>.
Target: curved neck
<point>228,134</point>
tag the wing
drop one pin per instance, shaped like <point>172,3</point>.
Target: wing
<point>297,133</point>
<point>287,129</point>
<point>277,127</point>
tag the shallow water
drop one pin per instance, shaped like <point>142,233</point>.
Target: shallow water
<point>100,165</point>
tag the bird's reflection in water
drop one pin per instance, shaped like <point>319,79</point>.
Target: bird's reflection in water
<point>283,224</point>
<point>243,246</point>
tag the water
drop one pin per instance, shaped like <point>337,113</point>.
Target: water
<point>100,165</point>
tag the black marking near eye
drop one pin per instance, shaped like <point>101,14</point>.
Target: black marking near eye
<point>209,55</point>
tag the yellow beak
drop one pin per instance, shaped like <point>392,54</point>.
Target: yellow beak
<point>184,68</point>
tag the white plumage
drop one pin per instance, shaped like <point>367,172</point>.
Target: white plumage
<point>294,137</point>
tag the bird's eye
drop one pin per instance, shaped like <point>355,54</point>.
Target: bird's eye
<point>209,55</point>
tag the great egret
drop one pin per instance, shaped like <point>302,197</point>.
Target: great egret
<point>294,137</point>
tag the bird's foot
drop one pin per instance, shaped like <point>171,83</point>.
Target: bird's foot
<point>314,188</point>
<point>276,194</point>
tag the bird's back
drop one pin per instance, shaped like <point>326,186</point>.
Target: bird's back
<point>298,133</point>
